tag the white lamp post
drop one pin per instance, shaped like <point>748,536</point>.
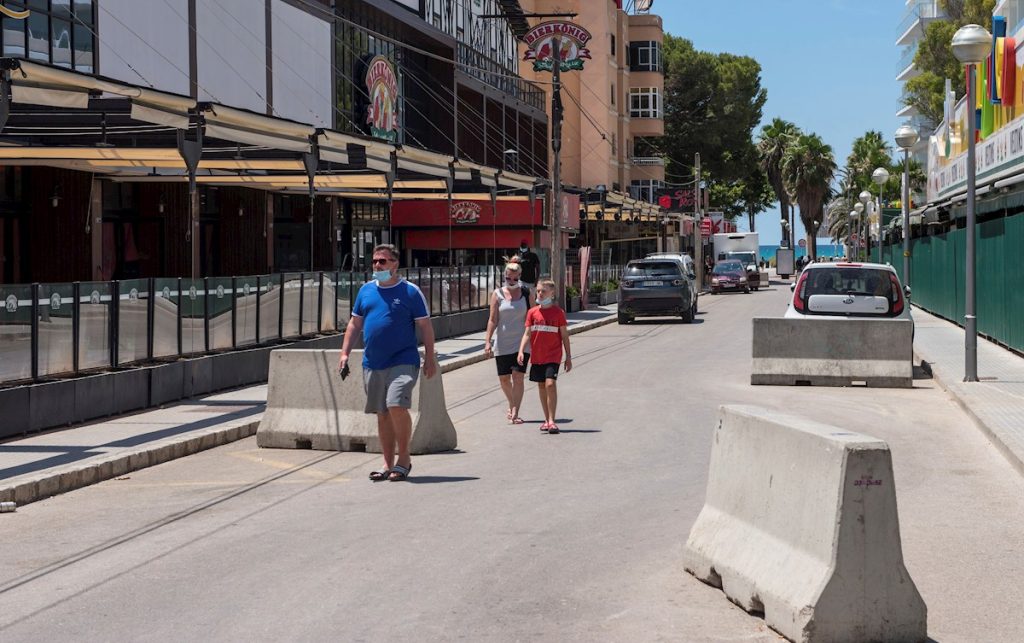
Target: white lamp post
<point>906,137</point>
<point>859,210</point>
<point>852,235</point>
<point>865,199</point>
<point>971,45</point>
<point>880,176</point>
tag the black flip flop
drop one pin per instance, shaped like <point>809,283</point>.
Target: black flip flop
<point>379,476</point>
<point>400,472</point>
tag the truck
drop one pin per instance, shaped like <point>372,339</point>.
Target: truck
<point>743,246</point>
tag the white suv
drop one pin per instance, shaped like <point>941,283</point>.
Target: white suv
<point>845,290</point>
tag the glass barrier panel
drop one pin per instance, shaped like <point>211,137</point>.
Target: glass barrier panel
<point>328,310</point>
<point>245,310</point>
<point>132,320</point>
<point>15,332</point>
<point>193,316</point>
<point>165,317</point>
<point>56,329</point>
<point>219,299</point>
<point>270,308</point>
<point>292,291</point>
<point>310,302</point>
<point>94,320</point>
<point>344,306</point>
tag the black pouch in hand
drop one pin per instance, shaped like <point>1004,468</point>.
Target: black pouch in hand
<point>344,372</point>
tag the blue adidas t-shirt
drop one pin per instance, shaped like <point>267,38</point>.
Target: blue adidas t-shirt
<point>389,328</point>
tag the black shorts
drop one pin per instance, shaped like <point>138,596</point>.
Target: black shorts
<point>508,363</point>
<point>541,372</point>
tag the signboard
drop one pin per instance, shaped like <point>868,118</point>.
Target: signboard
<point>853,238</point>
<point>382,91</point>
<point>802,243</point>
<point>717,218</point>
<point>572,39</point>
<point>434,213</point>
<point>465,212</point>
<point>675,200</point>
<point>705,228</point>
<point>570,211</point>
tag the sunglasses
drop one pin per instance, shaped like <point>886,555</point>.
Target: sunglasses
<point>377,261</point>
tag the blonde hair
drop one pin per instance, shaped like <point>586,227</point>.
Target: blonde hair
<point>512,263</point>
<point>547,283</point>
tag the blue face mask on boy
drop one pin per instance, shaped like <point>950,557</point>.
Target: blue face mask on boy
<point>545,302</point>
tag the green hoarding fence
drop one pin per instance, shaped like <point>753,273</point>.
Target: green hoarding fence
<point>938,276</point>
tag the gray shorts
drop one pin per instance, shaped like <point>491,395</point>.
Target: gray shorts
<point>389,387</point>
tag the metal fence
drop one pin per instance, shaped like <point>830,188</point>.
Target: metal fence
<point>54,330</point>
<point>938,274</point>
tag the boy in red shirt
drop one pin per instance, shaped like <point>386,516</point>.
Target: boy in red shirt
<point>548,334</point>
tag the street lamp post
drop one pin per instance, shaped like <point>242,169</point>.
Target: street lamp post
<point>852,236</point>
<point>880,176</point>
<point>865,199</point>
<point>858,210</point>
<point>906,137</point>
<point>971,45</point>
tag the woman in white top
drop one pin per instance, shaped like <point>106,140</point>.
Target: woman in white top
<point>508,316</point>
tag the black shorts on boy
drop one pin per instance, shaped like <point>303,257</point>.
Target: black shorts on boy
<point>542,372</point>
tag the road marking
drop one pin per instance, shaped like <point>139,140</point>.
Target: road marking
<point>253,456</point>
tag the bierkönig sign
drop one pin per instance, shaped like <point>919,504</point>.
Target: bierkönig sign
<point>571,38</point>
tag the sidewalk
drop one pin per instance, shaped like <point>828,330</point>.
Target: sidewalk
<point>42,465</point>
<point>996,403</point>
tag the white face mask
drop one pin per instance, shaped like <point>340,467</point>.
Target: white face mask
<point>512,282</point>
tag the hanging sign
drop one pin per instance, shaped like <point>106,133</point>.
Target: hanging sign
<point>13,13</point>
<point>572,39</point>
<point>382,90</point>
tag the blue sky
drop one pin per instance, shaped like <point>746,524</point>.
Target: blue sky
<point>828,65</point>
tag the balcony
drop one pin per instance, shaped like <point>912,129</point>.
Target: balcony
<point>648,160</point>
<point>486,70</point>
<point>905,70</point>
<point>914,20</point>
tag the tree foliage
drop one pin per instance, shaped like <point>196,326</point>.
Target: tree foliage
<point>808,170</point>
<point>772,146</point>
<point>712,104</point>
<point>935,59</point>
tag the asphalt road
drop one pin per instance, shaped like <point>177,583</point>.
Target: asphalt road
<point>518,536</point>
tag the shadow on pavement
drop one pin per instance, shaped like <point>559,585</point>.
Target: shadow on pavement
<point>437,479</point>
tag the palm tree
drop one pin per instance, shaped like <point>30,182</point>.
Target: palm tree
<point>808,169</point>
<point>868,152</point>
<point>775,139</point>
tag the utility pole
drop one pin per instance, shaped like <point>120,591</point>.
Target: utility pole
<point>556,172</point>
<point>698,241</point>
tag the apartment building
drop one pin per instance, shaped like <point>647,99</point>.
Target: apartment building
<point>916,17</point>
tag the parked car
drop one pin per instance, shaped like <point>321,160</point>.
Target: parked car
<point>656,288</point>
<point>844,290</point>
<point>689,270</point>
<point>729,274</point>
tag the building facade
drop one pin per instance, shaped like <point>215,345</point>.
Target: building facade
<point>308,118</point>
<point>916,17</point>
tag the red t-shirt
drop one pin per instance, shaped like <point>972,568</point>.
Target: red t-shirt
<point>544,326</point>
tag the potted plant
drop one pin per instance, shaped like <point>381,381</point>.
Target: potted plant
<point>595,291</point>
<point>610,294</point>
<point>572,298</point>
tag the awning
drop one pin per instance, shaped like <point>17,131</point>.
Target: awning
<point>242,126</point>
<point>423,162</point>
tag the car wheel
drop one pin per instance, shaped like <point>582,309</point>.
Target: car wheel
<point>687,316</point>
<point>624,319</point>
<point>746,291</point>
<point>693,313</point>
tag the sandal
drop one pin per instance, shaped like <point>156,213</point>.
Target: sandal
<point>516,420</point>
<point>544,427</point>
<point>398,472</point>
<point>553,429</point>
<point>377,476</point>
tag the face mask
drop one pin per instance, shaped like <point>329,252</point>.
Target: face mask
<point>523,248</point>
<point>547,301</point>
<point>512,283</point>
<point>382,275</point>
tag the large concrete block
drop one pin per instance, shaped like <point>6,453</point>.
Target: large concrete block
<point>166,383</point>
<point>14,408</point>
<point>800,524</point>
<point>131,390</point>
<point>51,404</point>
<point>94,397</point>
<point>309,406</point>
<point>833,352</point>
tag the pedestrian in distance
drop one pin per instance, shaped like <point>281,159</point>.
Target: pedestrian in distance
<point>388,311</point>
<point>530,262</point>
<point>509,305</point>
<point>547,335</point>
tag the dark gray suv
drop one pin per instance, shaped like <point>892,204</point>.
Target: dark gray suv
<point>656,288</point>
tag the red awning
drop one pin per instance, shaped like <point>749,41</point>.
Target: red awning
<point>477,237</point>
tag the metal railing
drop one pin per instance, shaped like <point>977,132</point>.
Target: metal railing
<point>64,329</point>
<point>906,58</point>
<point>489,71</point>
<point>648,160</point>
<point>920,10</point>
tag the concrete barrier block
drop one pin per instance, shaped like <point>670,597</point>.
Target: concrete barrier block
<point>309,406</point>
<point>167,383</point>
<point>800,524</point>
<point>94,397</point>
<point>16,416</point>
<point>131,390</point>
<point>51,404</point>
<point>833,352</point>
<point>198,376</point>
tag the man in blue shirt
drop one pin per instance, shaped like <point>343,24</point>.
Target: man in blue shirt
<point>387,311</point>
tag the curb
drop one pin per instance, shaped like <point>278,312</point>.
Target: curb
<point>57,481</point>
<point>1016,460</point>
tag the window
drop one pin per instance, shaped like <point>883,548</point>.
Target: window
<point>613,94</point>
<point>645,189</point>
<point>58,32</point>
<point>645,56</point>
<point>644,102</point>
<point>613,45</point>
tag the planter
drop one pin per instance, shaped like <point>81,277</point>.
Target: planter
<point>609,297</point>
<point>574,304</point>
<point>595,298</point>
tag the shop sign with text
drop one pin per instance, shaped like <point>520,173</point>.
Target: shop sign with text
<point>465,212</point>
<point>571,39</point>
<point>382,91</point>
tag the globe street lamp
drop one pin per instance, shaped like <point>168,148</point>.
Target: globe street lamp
<point>854,213</point>
<point>971,45</point>
<point>865,199</point>
<point>880,176</point>
<point>906,137</point>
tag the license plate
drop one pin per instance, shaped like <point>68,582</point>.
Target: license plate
<point>653,283</point>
